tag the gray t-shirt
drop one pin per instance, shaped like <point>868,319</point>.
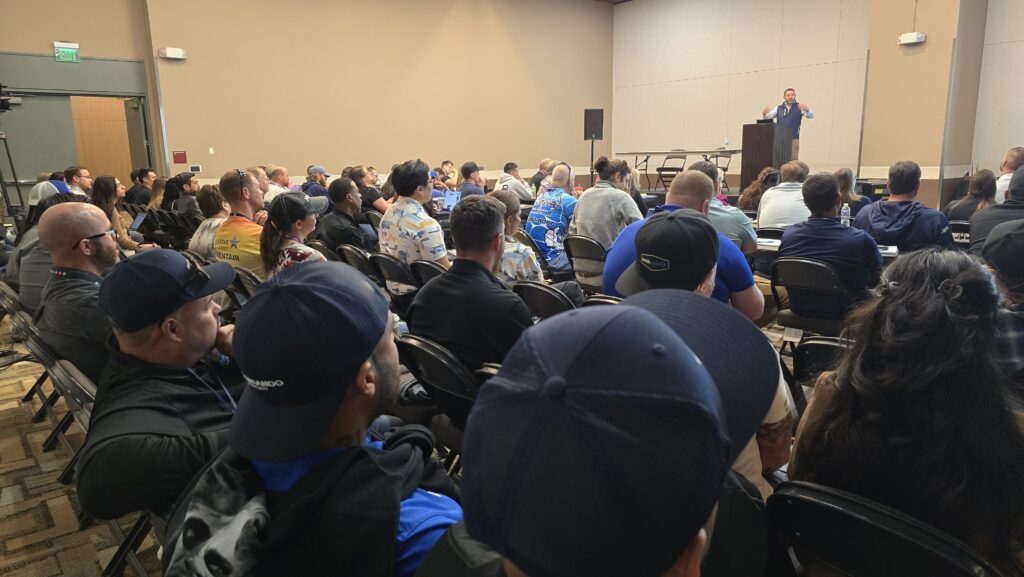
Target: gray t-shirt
<point>33,276</point>
<point>601,213</point>
<point>71,322</point>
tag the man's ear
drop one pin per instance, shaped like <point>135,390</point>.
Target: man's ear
<point>171,329</point>
<point>365,381</point>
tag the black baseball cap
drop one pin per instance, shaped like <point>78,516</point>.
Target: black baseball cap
<point>142,290</point>
<point>673,250</point>
<point>289,207</point>
<point>1004,252</point>
<point>299,341</point>
<point>1016,187</point>
<point>469,168</point>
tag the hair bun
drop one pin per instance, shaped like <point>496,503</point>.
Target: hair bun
<point>601,163</point>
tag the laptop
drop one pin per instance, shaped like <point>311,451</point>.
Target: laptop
<point>451,198</point>
<point>139,219</point>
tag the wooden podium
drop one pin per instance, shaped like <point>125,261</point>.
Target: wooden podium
<point>764,144</point>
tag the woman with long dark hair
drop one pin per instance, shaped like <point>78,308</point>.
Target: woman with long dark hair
<point>290,219</point>
<point>750,198</point>
<point>981,193</point>
<point>917,414</point>
<point>107,193</point>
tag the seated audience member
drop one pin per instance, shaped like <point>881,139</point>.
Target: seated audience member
<point>79,180</point>
<point>447,176</point>
<point>407,232</point>
<point>472,181</point>
<point>617,388</point>
<point>314,487</point>
<point>237,241</point>
<point>26,242</point>
<point>546,182</point>
<point>187,203</point>
<point>550,216</point>
<point>69,319</point>
<point>279,182</point>
<point>161,414</point>
<point>750,198</point>
<point>467,310</point>
<point>783,205</point>
<point>728,220</point>
<point>510,180</point>
<point>316,181</point>
<point>1013,160</point>
<point>633,188</point>
<point>601,213</point>
<point>172,192</point>
<point>901,220</point>
<point>215,210</point>
<point>981,192</point>
<point>518,261</point>
<point>107,194</point>
<point>734,283</point>
<point>850,251</point>
<point>847,190</point>
<point>47,188</point>
<point>985,220</point>
<point>387,191</point>
<point>916,415</point>
<point>339,226</point>
<point>141,192</point>
<point>1003,252</point>
<point>542,172</point>
<point>156,195</point>
<point>291,218</point>
<point>371,197</point>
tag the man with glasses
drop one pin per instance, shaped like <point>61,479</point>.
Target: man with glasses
<point>69,319</point>
<point>161,412</point>
<point>238,237</point>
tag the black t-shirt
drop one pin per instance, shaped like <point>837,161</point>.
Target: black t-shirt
<point>962,209</point>
<point>985,220</point>
<point>338,228</point>
<point>370,195</point>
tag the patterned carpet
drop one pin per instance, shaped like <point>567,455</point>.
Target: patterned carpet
<point>39,530</point>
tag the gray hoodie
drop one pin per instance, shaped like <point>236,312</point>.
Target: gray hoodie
<point>509,182</point>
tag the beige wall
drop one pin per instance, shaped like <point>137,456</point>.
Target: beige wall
<point>103,28</point>
<point>341,83</point>
<point>963,97</point>
<point>1000,118</point>
<point>689,73</point>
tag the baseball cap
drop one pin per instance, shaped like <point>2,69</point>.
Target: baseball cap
<point>289,207</point>
<point>602,454</point>
<point>469,168</point>
<point>673,250</point>
<point>143,289</point>
<point>1016,187</point>
<point>318,170</point>
<point>1003,251</point>
<point>298,342</point>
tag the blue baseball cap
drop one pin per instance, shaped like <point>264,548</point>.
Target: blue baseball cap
<point>318,170</point>
<point>299,341</point>
<point>602,454</point>
<point>142,290</point>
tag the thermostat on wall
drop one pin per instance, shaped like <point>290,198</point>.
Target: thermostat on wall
<point>909,38</point>
<point>172,53</point>
<point>195,168</point>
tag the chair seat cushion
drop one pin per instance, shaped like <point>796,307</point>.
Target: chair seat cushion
<point>827,327</point>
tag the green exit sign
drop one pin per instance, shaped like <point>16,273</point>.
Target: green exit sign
<point>66,52</point>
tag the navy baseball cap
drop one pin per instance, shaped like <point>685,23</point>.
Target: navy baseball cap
<point>299,341</point>
<point>140,291</point>
<point>469,168</point>
<point>673,250</point>
<point>601,454</point>
<point>318,170</point>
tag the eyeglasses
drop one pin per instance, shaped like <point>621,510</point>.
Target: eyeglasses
<point>112,233</point>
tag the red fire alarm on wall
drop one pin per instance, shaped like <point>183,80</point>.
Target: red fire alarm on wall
<point>180,157</point>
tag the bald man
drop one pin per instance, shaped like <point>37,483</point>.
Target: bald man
<point>84,248</point>
<point>542,173</point>
<point>550,217</point>
<point>734,283</point>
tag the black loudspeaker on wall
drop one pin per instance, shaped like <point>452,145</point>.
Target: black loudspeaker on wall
<point>593,124</point>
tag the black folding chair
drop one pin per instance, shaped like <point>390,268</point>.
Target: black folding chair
<point>803,274</point>
<point>858,537</point>
<point>46,357</point>
<point>543,301</point>
<point>670,167</point>
<point>357,258</point>
<point>961,230</point>
<point>448,381</point>
<point>579,247</point>
<point>394,271</point>
<point>374,218</point>
<point>597,300</point>
<point>425,270</point>
<point>321,248</point>
<point>249,281</point>
<point>815,355</point>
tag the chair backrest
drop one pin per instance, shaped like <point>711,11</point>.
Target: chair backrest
<point>525,238</point>
<point>424,270</point>
<point>815,355</point>
<point>374,218</point>
<point>961,230</point>
<point>860,538</point>
<point>9,298</point>
<point>447,380</point>
<point>196,257</point>
<point>322,248</point>
<point>775,233</point>
<point>721,160</point>
<point>357,258</point>
<point>807,274</point>
<point>46,356</point>
<point>669,157</point>
<point>78,391</point>
<point>249,281</point>
<point>583,247</point>
<point>751,214</point>
<point>392,269</point>
<point>598,300</point>
<point>543,301</point>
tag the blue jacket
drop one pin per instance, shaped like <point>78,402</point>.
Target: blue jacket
<point>908,224</point>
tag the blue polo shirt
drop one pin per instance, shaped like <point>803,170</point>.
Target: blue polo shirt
<point>852,252</point>
<point>733,274</point>
<point>423,517</point>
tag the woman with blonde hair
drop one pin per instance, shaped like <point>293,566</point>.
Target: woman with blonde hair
<point>844,176</point>
<point>157,198</point>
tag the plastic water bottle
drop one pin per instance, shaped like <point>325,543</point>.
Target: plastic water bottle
<point>844,214</point>
<point>726,145</point>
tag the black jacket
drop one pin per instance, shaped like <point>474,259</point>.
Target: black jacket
<point>153,427</point>
<point>337,228</point>
<point>985,220</point>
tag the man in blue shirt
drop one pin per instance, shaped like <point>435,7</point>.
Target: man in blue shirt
<point>852,252</point>
<point>550,217</point>
<point>901,220</point>
<point>305,489</point>
<point>472,181</point>
<point>734,282</point>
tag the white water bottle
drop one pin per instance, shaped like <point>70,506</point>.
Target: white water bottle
<point>844,214</point>
<point>726,142</point>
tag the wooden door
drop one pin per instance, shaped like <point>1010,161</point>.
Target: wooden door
<point>101,132</point>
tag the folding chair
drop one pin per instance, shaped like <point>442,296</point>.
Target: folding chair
<point>322,248</point>
<point>579,247</point>
<point>374,218</point>
<point>803,274</point>
<point>669,169</point>
<point>425,270</point>
<point>543,301</point>
<point>551,275</point>
<point>394,271</point>
<point>598,300</point>
<point>961,230</point>
<point>249,281</point>
<point>722,160</point>
<point>357,258</point>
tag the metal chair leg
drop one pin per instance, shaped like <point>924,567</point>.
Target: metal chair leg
<point>32,392</point>
<point>47,408</point>
<point>58,433</point>
<point>67,476</point>
<point>129,544</point>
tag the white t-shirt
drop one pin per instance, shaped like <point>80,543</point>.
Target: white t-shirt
<point>1002,184</point>
<point>782,206</point>
<point>748,463</point>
